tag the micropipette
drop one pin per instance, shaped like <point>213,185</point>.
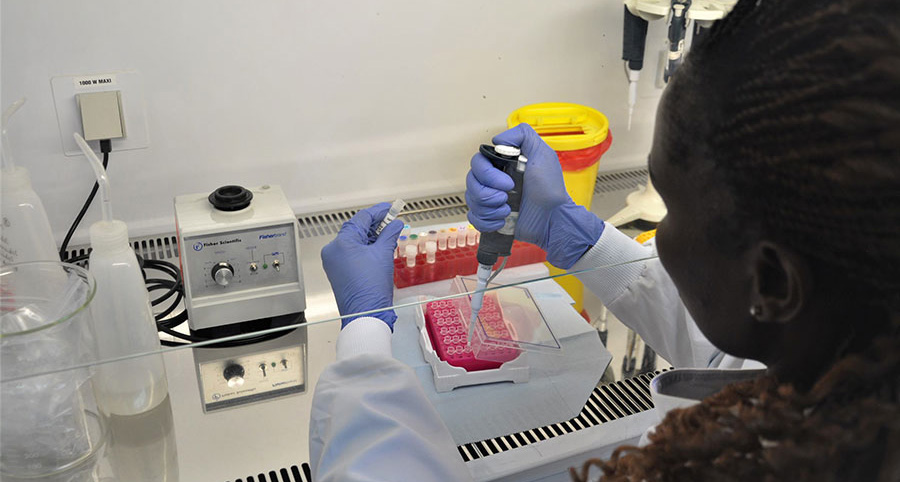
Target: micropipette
<point>634,37</point>
<point>392,214</point>
<point>633,77</point>
<point>498,243</point>
<point>677,29</point>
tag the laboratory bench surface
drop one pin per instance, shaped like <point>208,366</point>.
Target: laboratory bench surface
<point>267,440</point>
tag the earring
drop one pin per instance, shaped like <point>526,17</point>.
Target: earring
<point>756,311</point>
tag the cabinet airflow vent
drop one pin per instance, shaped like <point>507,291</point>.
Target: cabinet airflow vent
<point>151,247</point>
<point>433,208</point>
<point>620,181</point>
<point>295,473</point>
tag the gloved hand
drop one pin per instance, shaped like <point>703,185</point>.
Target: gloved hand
<point>548,217</point>
<point>360,267</point>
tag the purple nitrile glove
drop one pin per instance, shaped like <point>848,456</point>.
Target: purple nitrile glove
<point>360,267</point>
<point>548,217</point>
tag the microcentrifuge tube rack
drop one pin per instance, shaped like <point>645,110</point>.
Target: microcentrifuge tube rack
<point>456,261</point>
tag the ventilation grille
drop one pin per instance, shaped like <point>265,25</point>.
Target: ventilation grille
<point>293,474</point>
<point>606,403</point>
<point>620,181</point>
<point>425,209</point>
<point>435,208</point>
<point>151,247</point>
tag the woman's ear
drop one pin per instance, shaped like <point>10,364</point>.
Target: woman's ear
<point>782,283</point>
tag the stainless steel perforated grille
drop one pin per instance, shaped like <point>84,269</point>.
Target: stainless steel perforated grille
<point>607,402</point>
<point>294,473</point>
<point>328,223</point>
<point>423,209</point>
<point>163,247</point>
<point>620,181</point>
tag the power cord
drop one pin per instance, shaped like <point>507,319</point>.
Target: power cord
<point>172,285</point>
<point>173,288</point>
<point>174,291</point>
<point>105,148</point>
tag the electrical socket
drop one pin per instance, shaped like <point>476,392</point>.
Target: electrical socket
<point>101,115</point>
<point>130,87</point>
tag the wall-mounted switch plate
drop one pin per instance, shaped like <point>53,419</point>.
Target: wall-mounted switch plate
<point>130,86</point>
<point>101,115</point>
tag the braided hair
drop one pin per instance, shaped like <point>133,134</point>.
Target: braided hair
<point>798,102</point>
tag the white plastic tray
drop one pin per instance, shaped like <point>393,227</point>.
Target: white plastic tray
<point>447,377</point>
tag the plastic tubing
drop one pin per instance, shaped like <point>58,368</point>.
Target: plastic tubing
<point>4,138</point>
<point>102,178</point>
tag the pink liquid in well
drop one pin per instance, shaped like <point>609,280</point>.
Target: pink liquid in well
<point>448,335</point>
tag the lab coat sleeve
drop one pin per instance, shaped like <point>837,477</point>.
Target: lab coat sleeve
<point>641,295</point>
<point>371,420</point>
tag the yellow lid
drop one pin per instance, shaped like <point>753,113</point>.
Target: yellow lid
<point>563,126</point>
<point>645,236</point>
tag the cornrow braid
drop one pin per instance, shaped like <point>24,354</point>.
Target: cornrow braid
<point>796,103</point>
<point>806,133</point>
<point>759,430</point>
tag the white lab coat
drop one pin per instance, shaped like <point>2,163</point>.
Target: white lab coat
<point>371,420</point>
<point>643,297</point>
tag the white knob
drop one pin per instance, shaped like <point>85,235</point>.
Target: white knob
<point>511,151</point>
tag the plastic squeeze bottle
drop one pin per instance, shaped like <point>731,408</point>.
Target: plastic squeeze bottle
<point>122,316</point>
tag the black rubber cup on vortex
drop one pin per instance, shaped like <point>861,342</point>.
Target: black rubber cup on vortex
<point>230,198</point>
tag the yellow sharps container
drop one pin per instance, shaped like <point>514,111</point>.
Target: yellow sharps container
<point>580,136</point>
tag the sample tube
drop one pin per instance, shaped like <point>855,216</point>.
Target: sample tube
<point>391,215</point>
<point>402,241</point>
<point>405,231</point>
<point>433,236</point>
<point>423,238</point>
<point>470,236</point>
<point>442,240</point>
<point>461,236</point>
<point>411,252</point>
<point>413,240</point>
<point>451,239</point>
<point>430,250</point>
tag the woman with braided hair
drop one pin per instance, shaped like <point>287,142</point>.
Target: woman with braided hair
<point>777,152</point>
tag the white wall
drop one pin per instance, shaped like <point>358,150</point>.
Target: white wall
<point>340,102</point>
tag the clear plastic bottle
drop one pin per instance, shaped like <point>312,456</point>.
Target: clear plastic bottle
<point>124,325</point>
<point>25,233</point>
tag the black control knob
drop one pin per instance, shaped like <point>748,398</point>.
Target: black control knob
<point>223,273</point>
<point>230,198</point>
<point>234,374</point>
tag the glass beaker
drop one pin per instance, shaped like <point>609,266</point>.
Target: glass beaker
<point>49,420</point>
